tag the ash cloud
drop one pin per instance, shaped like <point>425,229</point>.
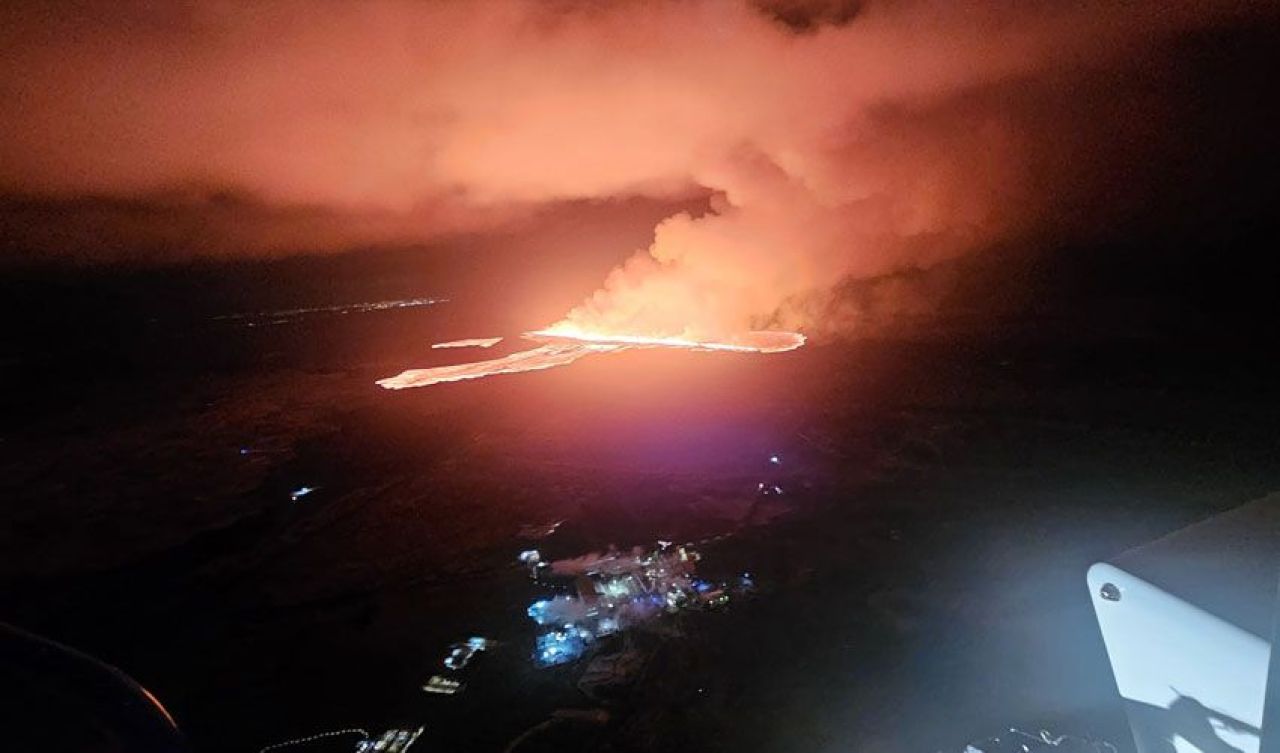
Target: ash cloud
<point>837,141</point>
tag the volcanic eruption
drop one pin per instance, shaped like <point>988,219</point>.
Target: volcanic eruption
<point>563,347</point>
<point>799,144</point>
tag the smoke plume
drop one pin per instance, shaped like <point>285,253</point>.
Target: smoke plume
<point>835,141</point>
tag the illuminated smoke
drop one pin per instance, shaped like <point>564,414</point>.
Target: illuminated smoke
<point>900,135</point>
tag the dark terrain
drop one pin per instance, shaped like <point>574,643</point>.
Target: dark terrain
<point>921,583</point>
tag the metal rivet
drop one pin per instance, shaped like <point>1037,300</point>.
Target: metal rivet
<point>1110,592</point>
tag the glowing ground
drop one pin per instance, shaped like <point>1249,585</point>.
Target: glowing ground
<point>562,347</point>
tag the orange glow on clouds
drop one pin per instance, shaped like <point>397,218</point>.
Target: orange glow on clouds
<point>908,134</point>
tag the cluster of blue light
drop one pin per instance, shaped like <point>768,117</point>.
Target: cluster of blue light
<point>560,646</point>
<point>537,611</point>
<point>633,590</point>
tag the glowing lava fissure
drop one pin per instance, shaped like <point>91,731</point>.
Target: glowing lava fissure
<point>562,347</point>
<point>759,341</point>
<point>471,342</point>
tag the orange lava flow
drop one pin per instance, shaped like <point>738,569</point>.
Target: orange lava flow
<point>471,342</point>
<point>563,347</point>
<point>760,341</point>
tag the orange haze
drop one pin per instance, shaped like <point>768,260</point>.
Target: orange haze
<point>907,133</point>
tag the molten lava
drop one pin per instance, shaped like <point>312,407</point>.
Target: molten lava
<point>471,342</point>
<point>563,346</point>
<point>760,341</point>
